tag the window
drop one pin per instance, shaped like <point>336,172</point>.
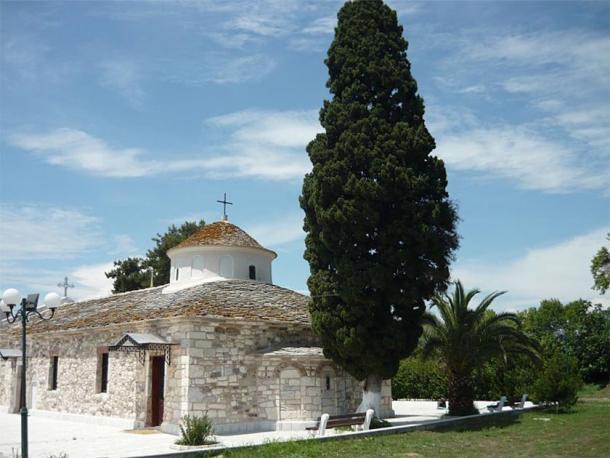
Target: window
<point>226,266</point>
<point>53,373</point>
<point>328,383</point>
<point>197,266</point>
<point>252,273</point>
<point>177,273</point>
<point>102,372</point>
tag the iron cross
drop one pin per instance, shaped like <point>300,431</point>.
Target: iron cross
<point>224,206</point>
<point>65,285</point>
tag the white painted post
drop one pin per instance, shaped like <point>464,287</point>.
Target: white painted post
<point>323,422</point>
<point>367,419</point>
<point>501,404</point>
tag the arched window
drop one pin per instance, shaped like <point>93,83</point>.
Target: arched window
<point>226,266</point>
<point>197,266</point>
<point>327,382</point>
<point>252,272</point>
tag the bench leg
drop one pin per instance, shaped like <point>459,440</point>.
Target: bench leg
<point>367,419</point>
<point>323,422</point>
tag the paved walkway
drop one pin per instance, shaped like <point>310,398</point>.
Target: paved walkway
<point>53,437</point>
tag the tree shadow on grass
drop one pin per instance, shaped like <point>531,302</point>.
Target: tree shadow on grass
<point>482,422</point>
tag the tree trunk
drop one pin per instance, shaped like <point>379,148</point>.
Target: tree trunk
<point>371,394</point>
<point>460,395</point>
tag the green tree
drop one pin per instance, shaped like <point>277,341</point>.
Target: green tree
<point>466,339</point>
<point>157,257</point>
<point>600,268</point>
<point>134,273</point>
<point>559,381</point>
<point>579,328</point>
<point>129,274</point>
<point>380,226</point>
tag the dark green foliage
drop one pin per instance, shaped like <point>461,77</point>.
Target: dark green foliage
<point>559,381</point>
<point>579,329</point>
<point>467,339</point>
<point>377,423</point>
<point>427,379</point>
<point>129,274</point>
<point>195,430</point>
<point>157,258</point>
<point>134,273</point>
<point>419,379</point>
<point>379,223</point>
<point>599,265</point>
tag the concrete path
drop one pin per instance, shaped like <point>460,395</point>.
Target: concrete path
<point>50,437</point>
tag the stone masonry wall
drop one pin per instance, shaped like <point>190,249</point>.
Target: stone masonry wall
<point>77,381</point>
<point>232,380</point>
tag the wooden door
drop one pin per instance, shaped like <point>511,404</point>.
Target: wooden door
<point>157,389</point>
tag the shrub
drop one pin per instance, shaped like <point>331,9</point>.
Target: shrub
<point>195,430</point>
<point>417,379</point>
<point>377,422</point>
<point>559,381</point>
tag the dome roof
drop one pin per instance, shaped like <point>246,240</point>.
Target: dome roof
<point>221,233</point>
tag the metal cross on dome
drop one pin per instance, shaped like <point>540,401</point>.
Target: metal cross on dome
<point>224,206</point>
<point>65,285</point>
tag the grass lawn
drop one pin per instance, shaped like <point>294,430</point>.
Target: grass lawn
<point>595,392</point>
<point>583,432</point>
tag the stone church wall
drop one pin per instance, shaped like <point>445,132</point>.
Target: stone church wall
<point>78,374</point>
<point>225,368</point>
<point>242,389</point>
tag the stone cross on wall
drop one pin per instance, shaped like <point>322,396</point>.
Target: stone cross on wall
<point>65,285</point>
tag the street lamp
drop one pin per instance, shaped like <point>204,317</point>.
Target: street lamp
<point>28,307</point>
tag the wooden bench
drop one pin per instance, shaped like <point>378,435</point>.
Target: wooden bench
<point>328,421</point>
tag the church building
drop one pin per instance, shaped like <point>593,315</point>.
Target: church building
<point>220,339</point>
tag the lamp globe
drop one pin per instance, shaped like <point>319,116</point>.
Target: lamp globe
<point>52,300</point>
<point>11,296</point>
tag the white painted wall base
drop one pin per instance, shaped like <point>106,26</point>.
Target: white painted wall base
<point>294,425</point>
<point>116,422</point>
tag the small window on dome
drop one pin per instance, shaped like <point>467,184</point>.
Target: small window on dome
<point>177,273</point>
<point>252,272</point>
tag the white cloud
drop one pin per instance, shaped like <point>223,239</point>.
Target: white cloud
<point>90,281</point>
<point>218,67</point>
<point>322,25</point>
<point>562,74</point>
<point>404,7</point>
<point>78,150</point>
<point>559,271</point>
<point>262,144</point>
<point>268,18</point>
<point>123,244</point>
<point>523,155</point>
<point>278,232</point>
<point>30,232</point>
<point>123,76</point>
<point>240,69</point>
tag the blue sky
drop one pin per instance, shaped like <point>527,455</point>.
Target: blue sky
<point>120,118</point>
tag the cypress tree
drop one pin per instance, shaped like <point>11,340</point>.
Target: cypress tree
<point>380,226</point>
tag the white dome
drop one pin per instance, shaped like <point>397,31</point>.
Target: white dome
<point>218,251</point>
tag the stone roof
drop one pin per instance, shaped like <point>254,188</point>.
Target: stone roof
<point>233,299</point>
<point>220,233</point>
<point>6,353</point>
<point>294,352</point>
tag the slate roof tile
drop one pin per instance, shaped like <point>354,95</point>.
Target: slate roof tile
<point>236,299</point>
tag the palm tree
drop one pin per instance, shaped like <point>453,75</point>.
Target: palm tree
<point>465,339</point>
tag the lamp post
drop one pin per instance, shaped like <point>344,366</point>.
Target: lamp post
<point>27,307</point>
